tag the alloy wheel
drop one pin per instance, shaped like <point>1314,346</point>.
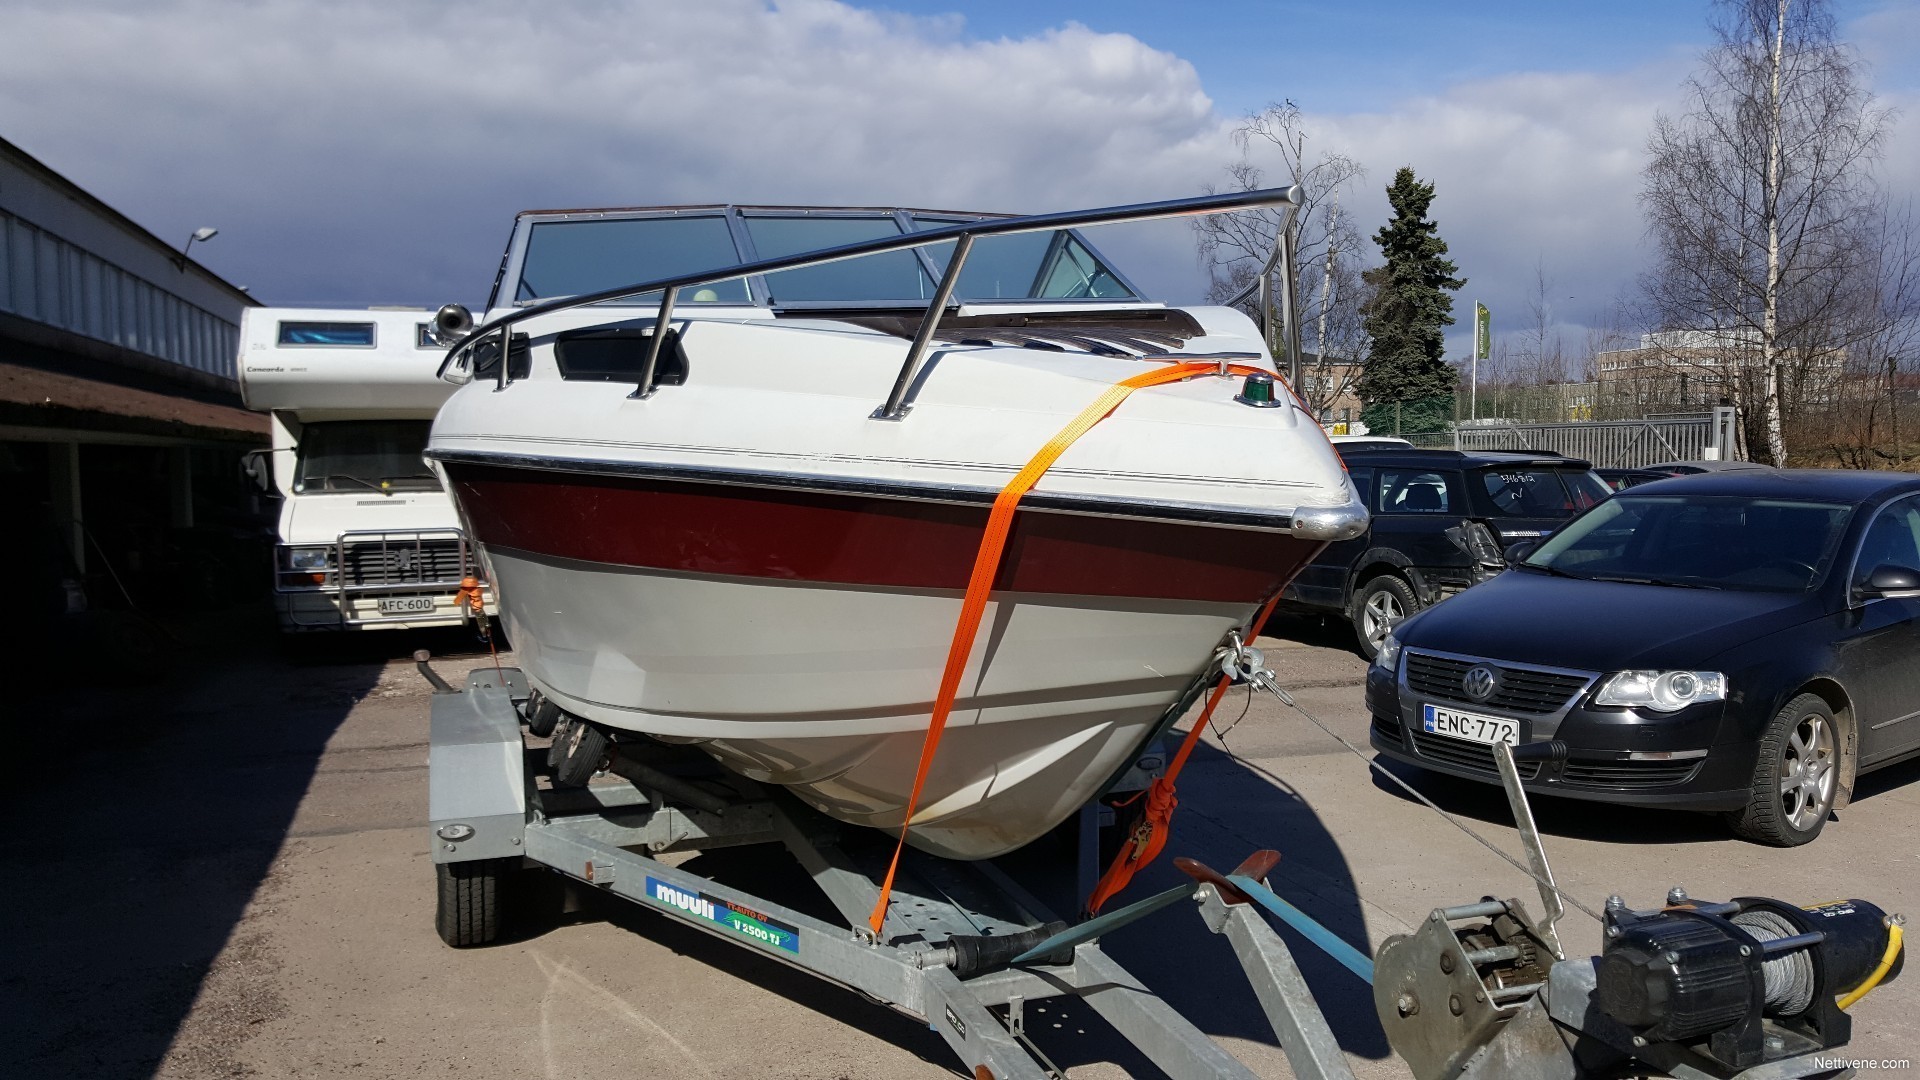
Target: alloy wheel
<point>1807,772</point>
<point>1380,615</point>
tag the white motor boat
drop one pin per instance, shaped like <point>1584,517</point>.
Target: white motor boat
<point>737,503</point>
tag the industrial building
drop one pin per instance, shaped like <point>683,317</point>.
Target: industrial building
<point>121,425</point>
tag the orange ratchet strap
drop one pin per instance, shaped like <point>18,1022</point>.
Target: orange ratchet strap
<point>986,566</point>
<point>1156,817</point>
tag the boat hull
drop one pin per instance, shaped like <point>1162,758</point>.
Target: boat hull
<point>798,637</point>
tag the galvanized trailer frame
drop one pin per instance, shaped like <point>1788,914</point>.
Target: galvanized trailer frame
<point>964,948</point>
<point>486,808</point>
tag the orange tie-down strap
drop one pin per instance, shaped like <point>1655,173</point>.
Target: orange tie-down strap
<point>1156,814</point>
<point>986,566</point>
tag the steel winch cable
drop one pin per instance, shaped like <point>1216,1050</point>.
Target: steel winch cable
<point>1264,680</point>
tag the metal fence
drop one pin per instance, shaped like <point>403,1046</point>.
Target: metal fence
<point>1620,444</point>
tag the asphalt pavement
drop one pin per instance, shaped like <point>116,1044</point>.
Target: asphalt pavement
<point>226,875</point>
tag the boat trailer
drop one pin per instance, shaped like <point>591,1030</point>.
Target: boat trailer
<point>1744,989</point>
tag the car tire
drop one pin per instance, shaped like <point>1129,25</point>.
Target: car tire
<point>1796,776</point>
<point>1379,605</point>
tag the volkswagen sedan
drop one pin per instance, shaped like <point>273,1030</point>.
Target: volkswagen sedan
<point>1740,642</point>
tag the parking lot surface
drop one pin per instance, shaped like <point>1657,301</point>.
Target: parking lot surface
<point>227,875</point>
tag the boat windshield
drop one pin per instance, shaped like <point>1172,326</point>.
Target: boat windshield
<point>584,255</point>
<point>1699,541</point>
<point>364,455</point>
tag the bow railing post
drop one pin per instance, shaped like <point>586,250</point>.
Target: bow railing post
<point>652,362</point>
<point>895,408</point>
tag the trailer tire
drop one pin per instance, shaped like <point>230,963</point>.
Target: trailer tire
<point>468,912</point>
<point>542,715</point>
<point>579,751</point>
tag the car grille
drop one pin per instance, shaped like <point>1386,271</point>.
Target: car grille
<point>1628,774</point>
<point>1466,755</point>
<point>406,562</point>
<point>1520,690</point>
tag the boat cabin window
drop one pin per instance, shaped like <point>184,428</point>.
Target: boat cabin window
<point>569,258</point>
<point>364,455</point>
<point>618,354</point>
<point>1028,266</point>
<point>350,334</point>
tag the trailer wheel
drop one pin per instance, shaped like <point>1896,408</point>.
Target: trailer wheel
<point>580,751</point>
<point>468,912</point>
<point>561,725</point>
<point>542,715</point>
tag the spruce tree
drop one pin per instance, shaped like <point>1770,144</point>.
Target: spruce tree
<point>1406,372</point>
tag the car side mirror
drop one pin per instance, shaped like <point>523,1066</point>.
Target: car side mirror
<point>1517,553</point>
<point>1892,582</point>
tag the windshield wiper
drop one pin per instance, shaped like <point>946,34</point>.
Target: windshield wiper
<point>1663,582</point>
<point>1554,570</point>
<point>411,476</point>
<point>361,480</point>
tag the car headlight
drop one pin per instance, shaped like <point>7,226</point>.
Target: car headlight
<point>312,558</point>
<point>1662,691</point>
<point>1389,655</point>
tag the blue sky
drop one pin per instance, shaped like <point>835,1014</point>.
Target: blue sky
<point>368,152</point>
<point>1360,55</point>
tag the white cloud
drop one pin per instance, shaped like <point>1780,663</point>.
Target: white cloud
<point>367,150</point>
<point>371,151</point>
<point>1530,168</point>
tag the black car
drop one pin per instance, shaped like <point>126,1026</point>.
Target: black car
<point>1441,519</point>
<point>1622,479</point>
<point>1744,642</point>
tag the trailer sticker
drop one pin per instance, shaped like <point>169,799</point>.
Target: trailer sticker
<point>743,921</point>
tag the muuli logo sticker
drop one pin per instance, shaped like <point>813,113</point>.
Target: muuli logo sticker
<point>743,921</point>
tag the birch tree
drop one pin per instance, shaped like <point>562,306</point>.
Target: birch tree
<point>1757,199</point>
<point>1233,247</point>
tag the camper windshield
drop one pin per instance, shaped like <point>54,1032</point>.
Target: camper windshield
<point>585,255</point>
<point>364,455</point>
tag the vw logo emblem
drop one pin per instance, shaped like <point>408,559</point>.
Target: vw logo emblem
<point>1479,682</point>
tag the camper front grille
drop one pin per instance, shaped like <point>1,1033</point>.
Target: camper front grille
<point>406,562</point>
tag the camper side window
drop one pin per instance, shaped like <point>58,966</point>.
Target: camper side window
<point>336,334</point>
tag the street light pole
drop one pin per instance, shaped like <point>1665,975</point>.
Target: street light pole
<point>203,235</point>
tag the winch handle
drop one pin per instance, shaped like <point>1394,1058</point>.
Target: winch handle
<point>1504,757</point>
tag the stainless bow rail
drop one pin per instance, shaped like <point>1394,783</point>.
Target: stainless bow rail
<point>962,235</point>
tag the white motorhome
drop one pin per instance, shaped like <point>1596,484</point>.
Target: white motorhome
<point>367,536</point>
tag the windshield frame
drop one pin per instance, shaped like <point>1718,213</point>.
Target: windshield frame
<point>1841,530</point>
<point>760,295</point>
<point>336,473</point>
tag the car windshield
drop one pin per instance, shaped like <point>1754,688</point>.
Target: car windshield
<point>1699,541</point>
<point>364,455</point>
<point>1533,491</point>
<point>592,254</point>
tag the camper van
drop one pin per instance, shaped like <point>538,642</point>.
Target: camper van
<point>367,537</point>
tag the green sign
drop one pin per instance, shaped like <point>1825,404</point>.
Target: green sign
<point>1482,332</point>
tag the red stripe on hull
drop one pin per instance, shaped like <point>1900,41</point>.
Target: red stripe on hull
<point>861,540</point>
